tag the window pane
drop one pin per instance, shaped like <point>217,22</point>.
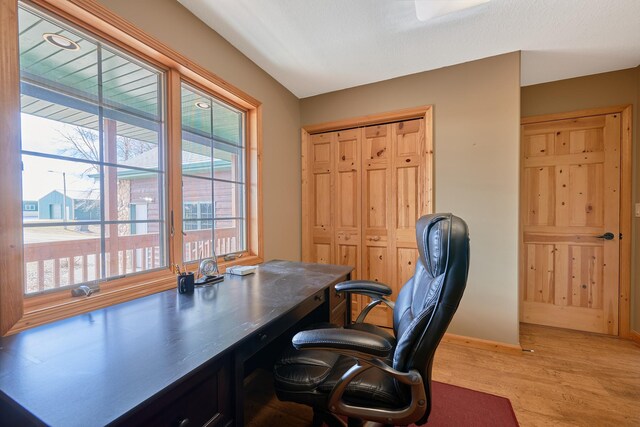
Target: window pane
<point>127,188</point>
<point>229,200</point>
<point>198,244</point>
<point>71,71</point>
<point>67,132</point>
<point>229,163</point>
<point>139,247</point>
<point>212,148</point>
<point>78,120</point>
<point>197,197</point>
<point>227,123</point>
<point>134,145</point>
<point>60,256</point>
<point>63,191</point>
<point>196,158</point>
<point>230,236</point>
<point>129,86</point>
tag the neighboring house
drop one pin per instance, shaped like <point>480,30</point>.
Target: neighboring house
<point>30,209</point>
<point>143,190</point>
<point>52,205</point>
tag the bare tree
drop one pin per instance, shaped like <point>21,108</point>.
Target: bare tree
<point>84,143</point>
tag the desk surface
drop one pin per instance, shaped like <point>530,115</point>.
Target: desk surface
<point>92,368</point>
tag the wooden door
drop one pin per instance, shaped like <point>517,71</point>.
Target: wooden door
<point>570,194</point>
<point>408,185</point>
<point>321,203</point>
<point>377,211</point>
<point>347,196</point>
<point>394,197</point>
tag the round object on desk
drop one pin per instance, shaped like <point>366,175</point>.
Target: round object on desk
<point>209,267</point>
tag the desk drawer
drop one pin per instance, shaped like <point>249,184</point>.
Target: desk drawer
<point>335,298</point>
<point>203,400</point>
<point>339,314</point>
<point>265,336</point>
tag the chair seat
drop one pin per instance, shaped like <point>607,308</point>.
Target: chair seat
<point>373,329</point>
<point>308,376</point>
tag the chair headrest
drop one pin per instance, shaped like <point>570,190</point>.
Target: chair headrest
<point>432,236</point>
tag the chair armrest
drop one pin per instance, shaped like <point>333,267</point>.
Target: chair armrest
<point>374,290</point>
<point>344,341</point>
<point>364,286</point>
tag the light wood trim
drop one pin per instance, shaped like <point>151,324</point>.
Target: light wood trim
<point>626,197</point>
<point>626,164</point>
<point>174,167</point>
<point>482,344</point>
<point>305,196</point>
<point>11,257</point>
<point>428,163</point>
<point>38,312</point>
<point>100,21</point>
<point>371,119</point>
<point>634,336</point>
<point>254,157</point>
<point>573,114</point>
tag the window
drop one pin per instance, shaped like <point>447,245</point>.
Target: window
<point>108,167</point>
<point>92,146</point>
<point>213,153</point>
<point>193,215</point>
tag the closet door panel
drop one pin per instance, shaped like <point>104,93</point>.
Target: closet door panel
<point>377,213</point>
<point>408,188</point>
<point>322,201</point>
<point>348,197</point>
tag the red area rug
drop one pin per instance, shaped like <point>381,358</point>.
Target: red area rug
<point>457,406</point>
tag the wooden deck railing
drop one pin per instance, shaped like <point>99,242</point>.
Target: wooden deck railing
<point>53,264</point>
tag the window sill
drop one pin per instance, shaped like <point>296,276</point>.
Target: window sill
<point>49,308</point>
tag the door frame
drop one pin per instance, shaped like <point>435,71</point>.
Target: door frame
<point>626,173</point>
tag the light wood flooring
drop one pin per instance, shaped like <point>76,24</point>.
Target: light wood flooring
<point>571,379</point>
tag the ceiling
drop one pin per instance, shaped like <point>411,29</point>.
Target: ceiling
<point>313,47</point>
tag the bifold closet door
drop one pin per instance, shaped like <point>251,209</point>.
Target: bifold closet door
<point>394,198</point>
<point>377,211</point>
<point>364,190</point>
<point>321,202</point>
<point>348,202</point>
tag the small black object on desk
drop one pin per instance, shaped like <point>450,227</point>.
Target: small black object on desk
<point>209,280</point>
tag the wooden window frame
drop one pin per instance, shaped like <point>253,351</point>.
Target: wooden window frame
<point>17,312</point>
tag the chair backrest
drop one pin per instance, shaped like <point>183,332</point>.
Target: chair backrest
<point>427,302</point>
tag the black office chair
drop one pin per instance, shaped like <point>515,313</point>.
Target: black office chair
<point>365,373</point>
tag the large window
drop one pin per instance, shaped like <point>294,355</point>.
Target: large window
<point>213,153</point>
<point>93,157</point>
<point>121,159</point>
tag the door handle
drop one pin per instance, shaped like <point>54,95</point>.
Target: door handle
<point>606,236</point>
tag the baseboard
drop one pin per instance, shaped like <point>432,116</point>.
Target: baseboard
<point>482,344</point>
<point>635,337</point>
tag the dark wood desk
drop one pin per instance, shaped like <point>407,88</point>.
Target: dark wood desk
<point>164,358</point>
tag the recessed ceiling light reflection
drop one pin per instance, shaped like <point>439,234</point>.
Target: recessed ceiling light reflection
<point>203,105</point>
<point>61,41</point>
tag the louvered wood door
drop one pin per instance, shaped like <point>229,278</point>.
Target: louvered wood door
<point>570,194</point>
